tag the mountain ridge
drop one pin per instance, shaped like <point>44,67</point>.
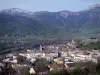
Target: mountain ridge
<point>59,24</point>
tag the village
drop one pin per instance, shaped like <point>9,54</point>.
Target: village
<point>50,58</point>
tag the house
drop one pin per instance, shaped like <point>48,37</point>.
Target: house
<point>70,65</point>
<point>32,71</point>
<point>56,66</point>
<point>39,70</point>
<point>10,60</point>
<point>1,64</point>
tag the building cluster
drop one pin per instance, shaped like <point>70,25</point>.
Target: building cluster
<point>61,56</point>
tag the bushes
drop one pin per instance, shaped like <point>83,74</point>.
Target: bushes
<point>62,72</point>
<point>98,68</point>
<point>89,68</point>
<point>79,71</point>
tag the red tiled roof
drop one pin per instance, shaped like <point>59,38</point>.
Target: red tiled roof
<point>55,65</point>
<point>41,69</point>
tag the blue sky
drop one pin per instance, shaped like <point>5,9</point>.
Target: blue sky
<point>48,5</point>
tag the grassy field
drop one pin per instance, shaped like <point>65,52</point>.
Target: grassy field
<point>95,46</point>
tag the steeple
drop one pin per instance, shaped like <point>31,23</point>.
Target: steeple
<point>40,48</point>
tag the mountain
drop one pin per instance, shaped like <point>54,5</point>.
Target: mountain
<point>17,11</point>
<point>62,24</point>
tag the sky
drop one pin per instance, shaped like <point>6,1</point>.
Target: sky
<point>48,5</point>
